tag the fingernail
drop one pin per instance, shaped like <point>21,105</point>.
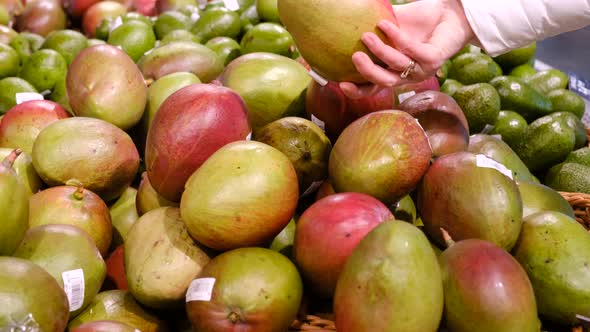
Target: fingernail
<point>383,24</point>
<point>368,38</point>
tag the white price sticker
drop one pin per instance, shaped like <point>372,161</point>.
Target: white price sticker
<point>249,137</point>
<point>195,17</point>
<point>486,162</point>
<point>74,288</point>
<point>318,78</point>
<point>21,97</point>
<point>312,187</point>
<point>318,122</point>
<point>115,24</point>
<point>231,4</point>
<point>403,96</point>
<point>200,290</point>
<point>498,136</point>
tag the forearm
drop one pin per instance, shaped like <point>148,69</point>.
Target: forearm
<point>501,25</point>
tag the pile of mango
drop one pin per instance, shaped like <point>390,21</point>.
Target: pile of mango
<point>532,111</point>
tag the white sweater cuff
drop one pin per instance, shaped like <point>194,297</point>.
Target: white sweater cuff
<point>502,25</point>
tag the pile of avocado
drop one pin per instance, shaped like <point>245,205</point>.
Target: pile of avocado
<point>531,111</point>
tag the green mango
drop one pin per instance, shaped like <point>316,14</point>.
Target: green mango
<point>9,87</point>
<point>537,197</point>
<point>9,61</point>
<point>67,42</point>
<point>226,48</point>
<point>498,150</point>
<point>123,215</point>
<point>134,37</point>
<point>268,37</point>
<point>216,22</point>
<point>554,249</point>
<point>181,56</point>
<point>44,69</point>
<point>391,282</point>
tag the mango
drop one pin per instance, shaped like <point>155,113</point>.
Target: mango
<point>391,282</point>
<point>554,249</point>
<point>325,41</point>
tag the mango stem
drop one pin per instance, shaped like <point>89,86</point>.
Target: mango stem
<point>447,237</point>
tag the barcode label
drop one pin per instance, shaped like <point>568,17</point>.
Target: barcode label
<point>249,137</point>
<point>116,23</point>
<point>21,97</point>
<point>318,122</point>
<point>485,162</point>
<point>74,288</point>
<point>200,290</point>
<point>231,4</point>
<point>403,96</point>
<point>317,77</point>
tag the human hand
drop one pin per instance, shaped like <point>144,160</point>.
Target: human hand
<point>427,31</point>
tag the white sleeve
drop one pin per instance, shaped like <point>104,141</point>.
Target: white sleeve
<point>502,25</point>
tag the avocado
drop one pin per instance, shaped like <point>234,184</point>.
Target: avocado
<point>499,151</point>
<point>570,177</point>
<point>547,141</point>
<point>67,42</point>
<point>554,250</point>
<point>576,124</point>
<point>443,72</point>
<point>450,86</point>
<point>516,57</point>
<point>511,126</point>
<point>480,103</point>
<point>471,68</point>
<point>518,96</point>
<point>567,101</point>
<point>579,156</point>
<point>548,80</point>
<point>469,48</point>
<point>538,197</point>
<point>523,72</point>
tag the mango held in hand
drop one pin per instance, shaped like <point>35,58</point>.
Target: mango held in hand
<point>382,154</point>
<point>328,32</point>
<point>243,195</point>
<point>486,290</point>
<point>471,197</point>
<point>103,82</point>
<point>554,249</point>
<point>390,283</point>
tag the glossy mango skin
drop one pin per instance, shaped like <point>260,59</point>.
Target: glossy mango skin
<point>486,290</point>
<point>391,282</point>
<point>554,249</point>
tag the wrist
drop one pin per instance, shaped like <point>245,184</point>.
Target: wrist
<point>469,35</point>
